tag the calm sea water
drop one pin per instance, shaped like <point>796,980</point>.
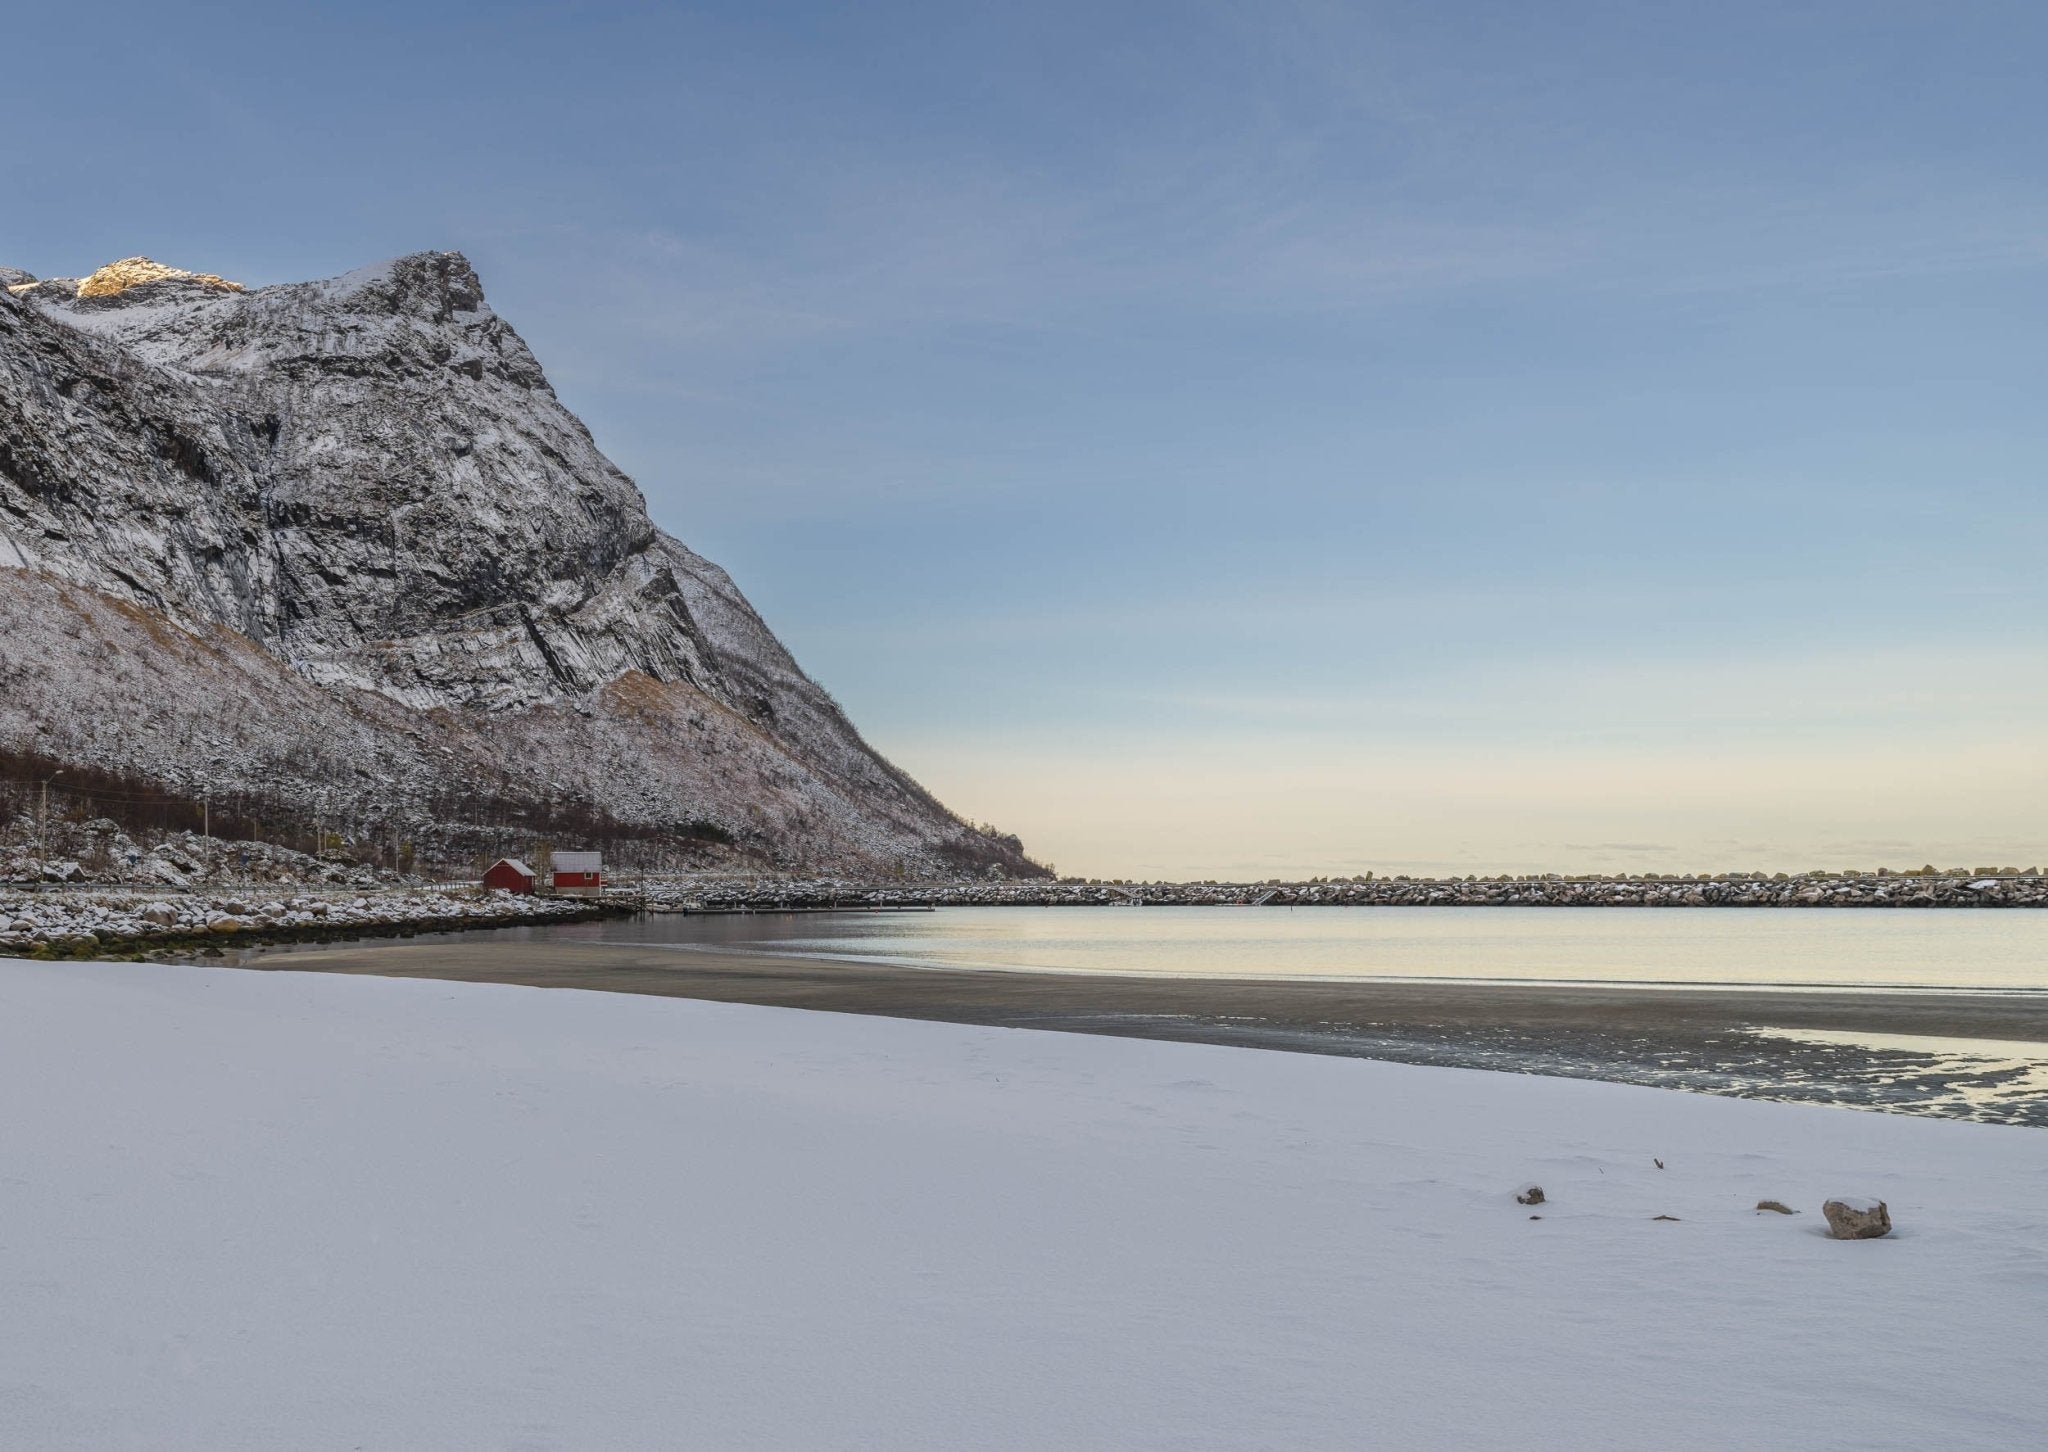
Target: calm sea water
<point>1780,951</point>
<point>1986,950</point>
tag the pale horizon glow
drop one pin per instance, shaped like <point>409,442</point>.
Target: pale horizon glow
<point>1224,441</point>
<point>1601,769</point>
<point>1138,814</point>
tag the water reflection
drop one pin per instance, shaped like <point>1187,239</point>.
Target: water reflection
<point>1947,950</point>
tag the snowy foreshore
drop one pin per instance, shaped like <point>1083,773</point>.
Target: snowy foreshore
<point>257,1210</point>
<point>80,924</point>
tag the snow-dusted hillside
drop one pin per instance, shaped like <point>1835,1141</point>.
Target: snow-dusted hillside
<point>341,538</point>
<point>262,1210</point>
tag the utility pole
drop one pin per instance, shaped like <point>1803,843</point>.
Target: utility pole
<point>43,829</point>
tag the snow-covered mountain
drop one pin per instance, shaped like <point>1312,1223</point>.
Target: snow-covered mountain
<point>338,545</point>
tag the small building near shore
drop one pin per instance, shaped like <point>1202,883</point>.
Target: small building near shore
<point>579,872</point>
<point>509,874</point>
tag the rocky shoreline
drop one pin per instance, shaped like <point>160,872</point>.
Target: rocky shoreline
<point>2004,888</point>
<point>104,925</point>
<point>145,921</point>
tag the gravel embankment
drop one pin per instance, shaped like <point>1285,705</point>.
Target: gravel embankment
<point>1806,890</point>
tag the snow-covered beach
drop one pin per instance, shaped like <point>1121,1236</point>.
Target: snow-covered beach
<point>280,1209</point>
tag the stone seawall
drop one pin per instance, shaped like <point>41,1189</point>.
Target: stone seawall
<point>1811,890</point>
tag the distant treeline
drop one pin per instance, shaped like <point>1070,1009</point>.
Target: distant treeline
<point>137,804</point>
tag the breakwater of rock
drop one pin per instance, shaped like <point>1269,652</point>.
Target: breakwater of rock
<point>128,924</point>
<point>1802,890</point>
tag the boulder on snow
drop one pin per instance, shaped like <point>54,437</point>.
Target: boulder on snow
<point>160,913</point>
<point>1857,1219</point>
<point>1529,1195</point>
<point>155,869</point>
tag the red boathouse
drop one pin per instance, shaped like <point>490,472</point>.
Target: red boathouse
<point>509,874</point>
<point>579,872</point>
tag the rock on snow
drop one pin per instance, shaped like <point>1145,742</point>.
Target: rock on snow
<point>253,1210</point>
<point>1857,1218</point>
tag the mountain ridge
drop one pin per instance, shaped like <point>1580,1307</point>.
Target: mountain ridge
<point>369,481</point>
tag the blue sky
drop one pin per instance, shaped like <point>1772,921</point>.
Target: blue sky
<point>1235,439</point>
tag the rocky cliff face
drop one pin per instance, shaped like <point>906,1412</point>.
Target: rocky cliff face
<point>338,545</point>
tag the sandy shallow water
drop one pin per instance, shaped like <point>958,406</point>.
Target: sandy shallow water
<point>1968,1053</point>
